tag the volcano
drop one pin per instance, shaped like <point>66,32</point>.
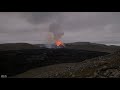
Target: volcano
<point>59,44</point>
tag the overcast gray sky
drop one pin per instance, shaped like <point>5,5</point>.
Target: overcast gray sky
<point>33,27</point>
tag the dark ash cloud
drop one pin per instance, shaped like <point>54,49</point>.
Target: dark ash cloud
<point>77,26</point>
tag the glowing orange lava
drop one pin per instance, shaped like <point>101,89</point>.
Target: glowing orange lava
<point>59,43</point>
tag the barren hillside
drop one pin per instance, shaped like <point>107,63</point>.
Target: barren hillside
<point>101,67</point>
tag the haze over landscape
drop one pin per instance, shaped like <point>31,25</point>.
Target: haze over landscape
<point>33,27</point>
<point>60,44</point>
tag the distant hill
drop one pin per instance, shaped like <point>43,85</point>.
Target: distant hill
<point>75,45</point>
<point>92,46</point>
<point>17,46</point>
<point>89,46</point>
<point>109,42</point>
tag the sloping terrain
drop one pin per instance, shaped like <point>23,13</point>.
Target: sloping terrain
<point>93,47</point>
<point>100,67</point>
<point>13,62</point>
<point>16,58</point>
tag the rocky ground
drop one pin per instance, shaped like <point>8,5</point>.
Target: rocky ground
<point>76,60</point>
<point>100,67</point>
<point>13,62</point>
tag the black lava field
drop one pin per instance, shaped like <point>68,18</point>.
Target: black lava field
<point>14,62</point>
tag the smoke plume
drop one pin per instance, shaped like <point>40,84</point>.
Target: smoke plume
<point>55,31</point>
